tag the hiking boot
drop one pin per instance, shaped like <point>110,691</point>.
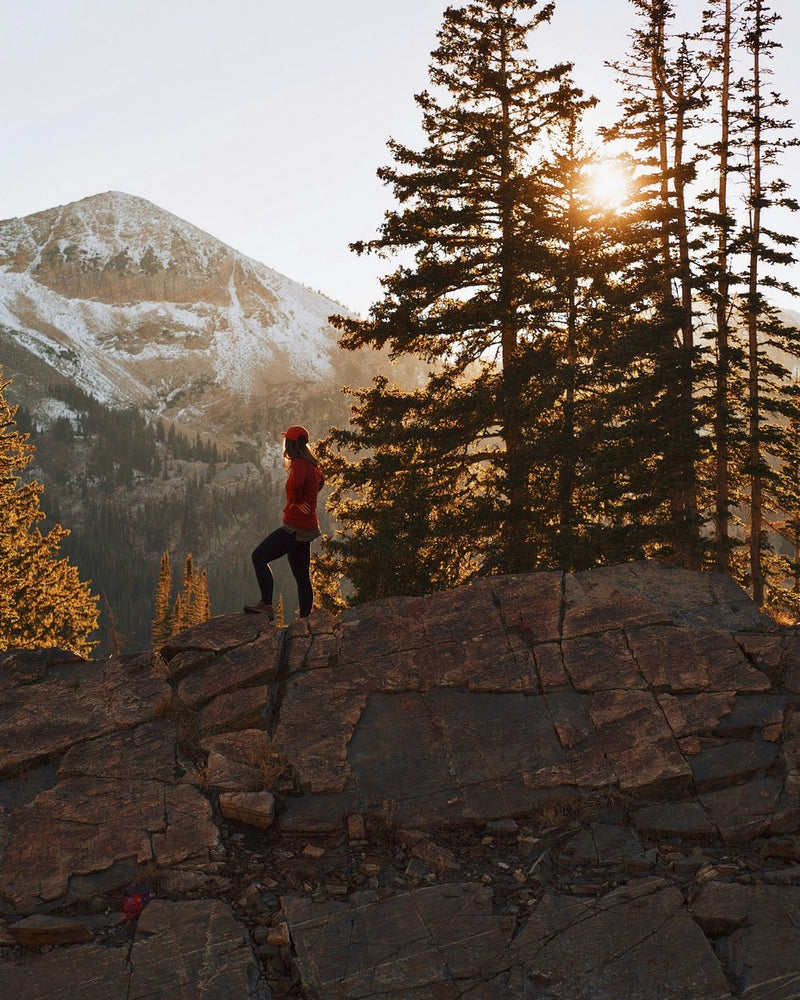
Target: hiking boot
<point>262,608</point>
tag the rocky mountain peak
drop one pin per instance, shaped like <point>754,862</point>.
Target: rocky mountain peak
<point>115,247</point>
<point>139,307</point>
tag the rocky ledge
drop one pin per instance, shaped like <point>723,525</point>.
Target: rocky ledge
<point>542,787</point>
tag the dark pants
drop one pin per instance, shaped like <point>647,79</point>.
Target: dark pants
<point>281,543</point>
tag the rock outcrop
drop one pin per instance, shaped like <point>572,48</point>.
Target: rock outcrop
<point>538,786</point>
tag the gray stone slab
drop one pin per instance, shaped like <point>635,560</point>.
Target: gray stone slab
<point>604,844</point>
<point>569,711</point>
<point>640,944</point>
<point>601,662</point>
<point>756,928</point>
<point>744,812</point>
<point>443,747</point>
<point>192,949</point>
<point>665,592</point>
<point>246,666</point>
<point>753,712</point>
<point>318,813</point>
<point>423,940</point>
<point>83,972</point>
<point>397,752</point>
<point>674,819</point>
<point>218,635</point>
<point>731,762</point>
<point>530,603</point>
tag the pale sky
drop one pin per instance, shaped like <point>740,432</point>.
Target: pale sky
<point>261,121</point>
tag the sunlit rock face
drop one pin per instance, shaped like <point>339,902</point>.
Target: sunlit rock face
<point>541,786</point>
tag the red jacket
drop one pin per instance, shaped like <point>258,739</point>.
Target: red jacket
<point>304,483</point>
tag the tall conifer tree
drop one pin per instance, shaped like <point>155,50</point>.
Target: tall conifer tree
<point>718,280</point>
<point>660,97</point>
<point>582,237</point>
<point>764,136</point>
<point>444,488</point>
<point>193,604</point>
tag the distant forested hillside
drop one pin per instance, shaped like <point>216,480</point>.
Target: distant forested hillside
<point>129,489</point>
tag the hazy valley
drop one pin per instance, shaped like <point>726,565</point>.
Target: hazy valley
<point>156,368</point>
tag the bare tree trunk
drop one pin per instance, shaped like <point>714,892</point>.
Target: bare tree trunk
<point>681,459</point>
<point>721,408</point>
<point>754,421</point>
<point>686,501</point>
<point>566,479</point>
<point>509,342</point>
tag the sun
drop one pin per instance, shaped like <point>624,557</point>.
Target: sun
<point>609,184</point>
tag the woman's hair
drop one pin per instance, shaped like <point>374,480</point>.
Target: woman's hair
<point>299,449</point>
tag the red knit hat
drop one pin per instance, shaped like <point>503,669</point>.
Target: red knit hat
<point>296,432</point>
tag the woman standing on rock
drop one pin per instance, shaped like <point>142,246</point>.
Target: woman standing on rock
<point>300,526</point>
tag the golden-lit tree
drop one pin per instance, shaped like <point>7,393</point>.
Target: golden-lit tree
<point>161,626</point>
<point>193,603</point>
<point>43,601</point>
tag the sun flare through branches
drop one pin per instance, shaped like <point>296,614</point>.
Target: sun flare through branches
<point>608,184</point>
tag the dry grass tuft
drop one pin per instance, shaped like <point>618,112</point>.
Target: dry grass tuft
<point>269,760</point>
<point>781,615</point>
<point>580,809</point>
<point>186,721</point>
<point>149,874</point>
<point>381,820</point>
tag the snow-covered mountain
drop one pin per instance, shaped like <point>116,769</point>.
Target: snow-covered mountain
<point>141,308</point>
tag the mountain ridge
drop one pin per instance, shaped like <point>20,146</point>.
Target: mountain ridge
<point>140,307</point>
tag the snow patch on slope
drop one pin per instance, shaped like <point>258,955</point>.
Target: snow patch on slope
<point>237,326</point>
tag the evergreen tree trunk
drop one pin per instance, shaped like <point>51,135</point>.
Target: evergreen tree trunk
<point>682,442</point>
<point>509,324</point>
<point>567,458</point>
<point>722,312</point>
<point>688,516</point>
<point>752,316</point>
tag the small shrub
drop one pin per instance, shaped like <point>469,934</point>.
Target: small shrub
<point>268,759</point>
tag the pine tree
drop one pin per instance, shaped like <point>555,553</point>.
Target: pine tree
<point>189,593</point>
<point>193,603</point>
<point>716,226</point>
<point>444,486</point>
<point>43,601</point>
<point>764,137</point>
<point>203,597</point>
<point>586,244</point>
<point>326,576</point>
<point>161,627</point>
<point>178,619</point>
<point>660,97</point>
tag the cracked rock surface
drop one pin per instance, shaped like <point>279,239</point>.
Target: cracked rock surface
<point>541,787</point>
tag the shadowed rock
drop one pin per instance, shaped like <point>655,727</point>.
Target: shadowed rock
<point>536,786</point>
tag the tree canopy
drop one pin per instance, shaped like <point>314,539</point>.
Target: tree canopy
<point>43,601</point>
<point>599,384</point>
